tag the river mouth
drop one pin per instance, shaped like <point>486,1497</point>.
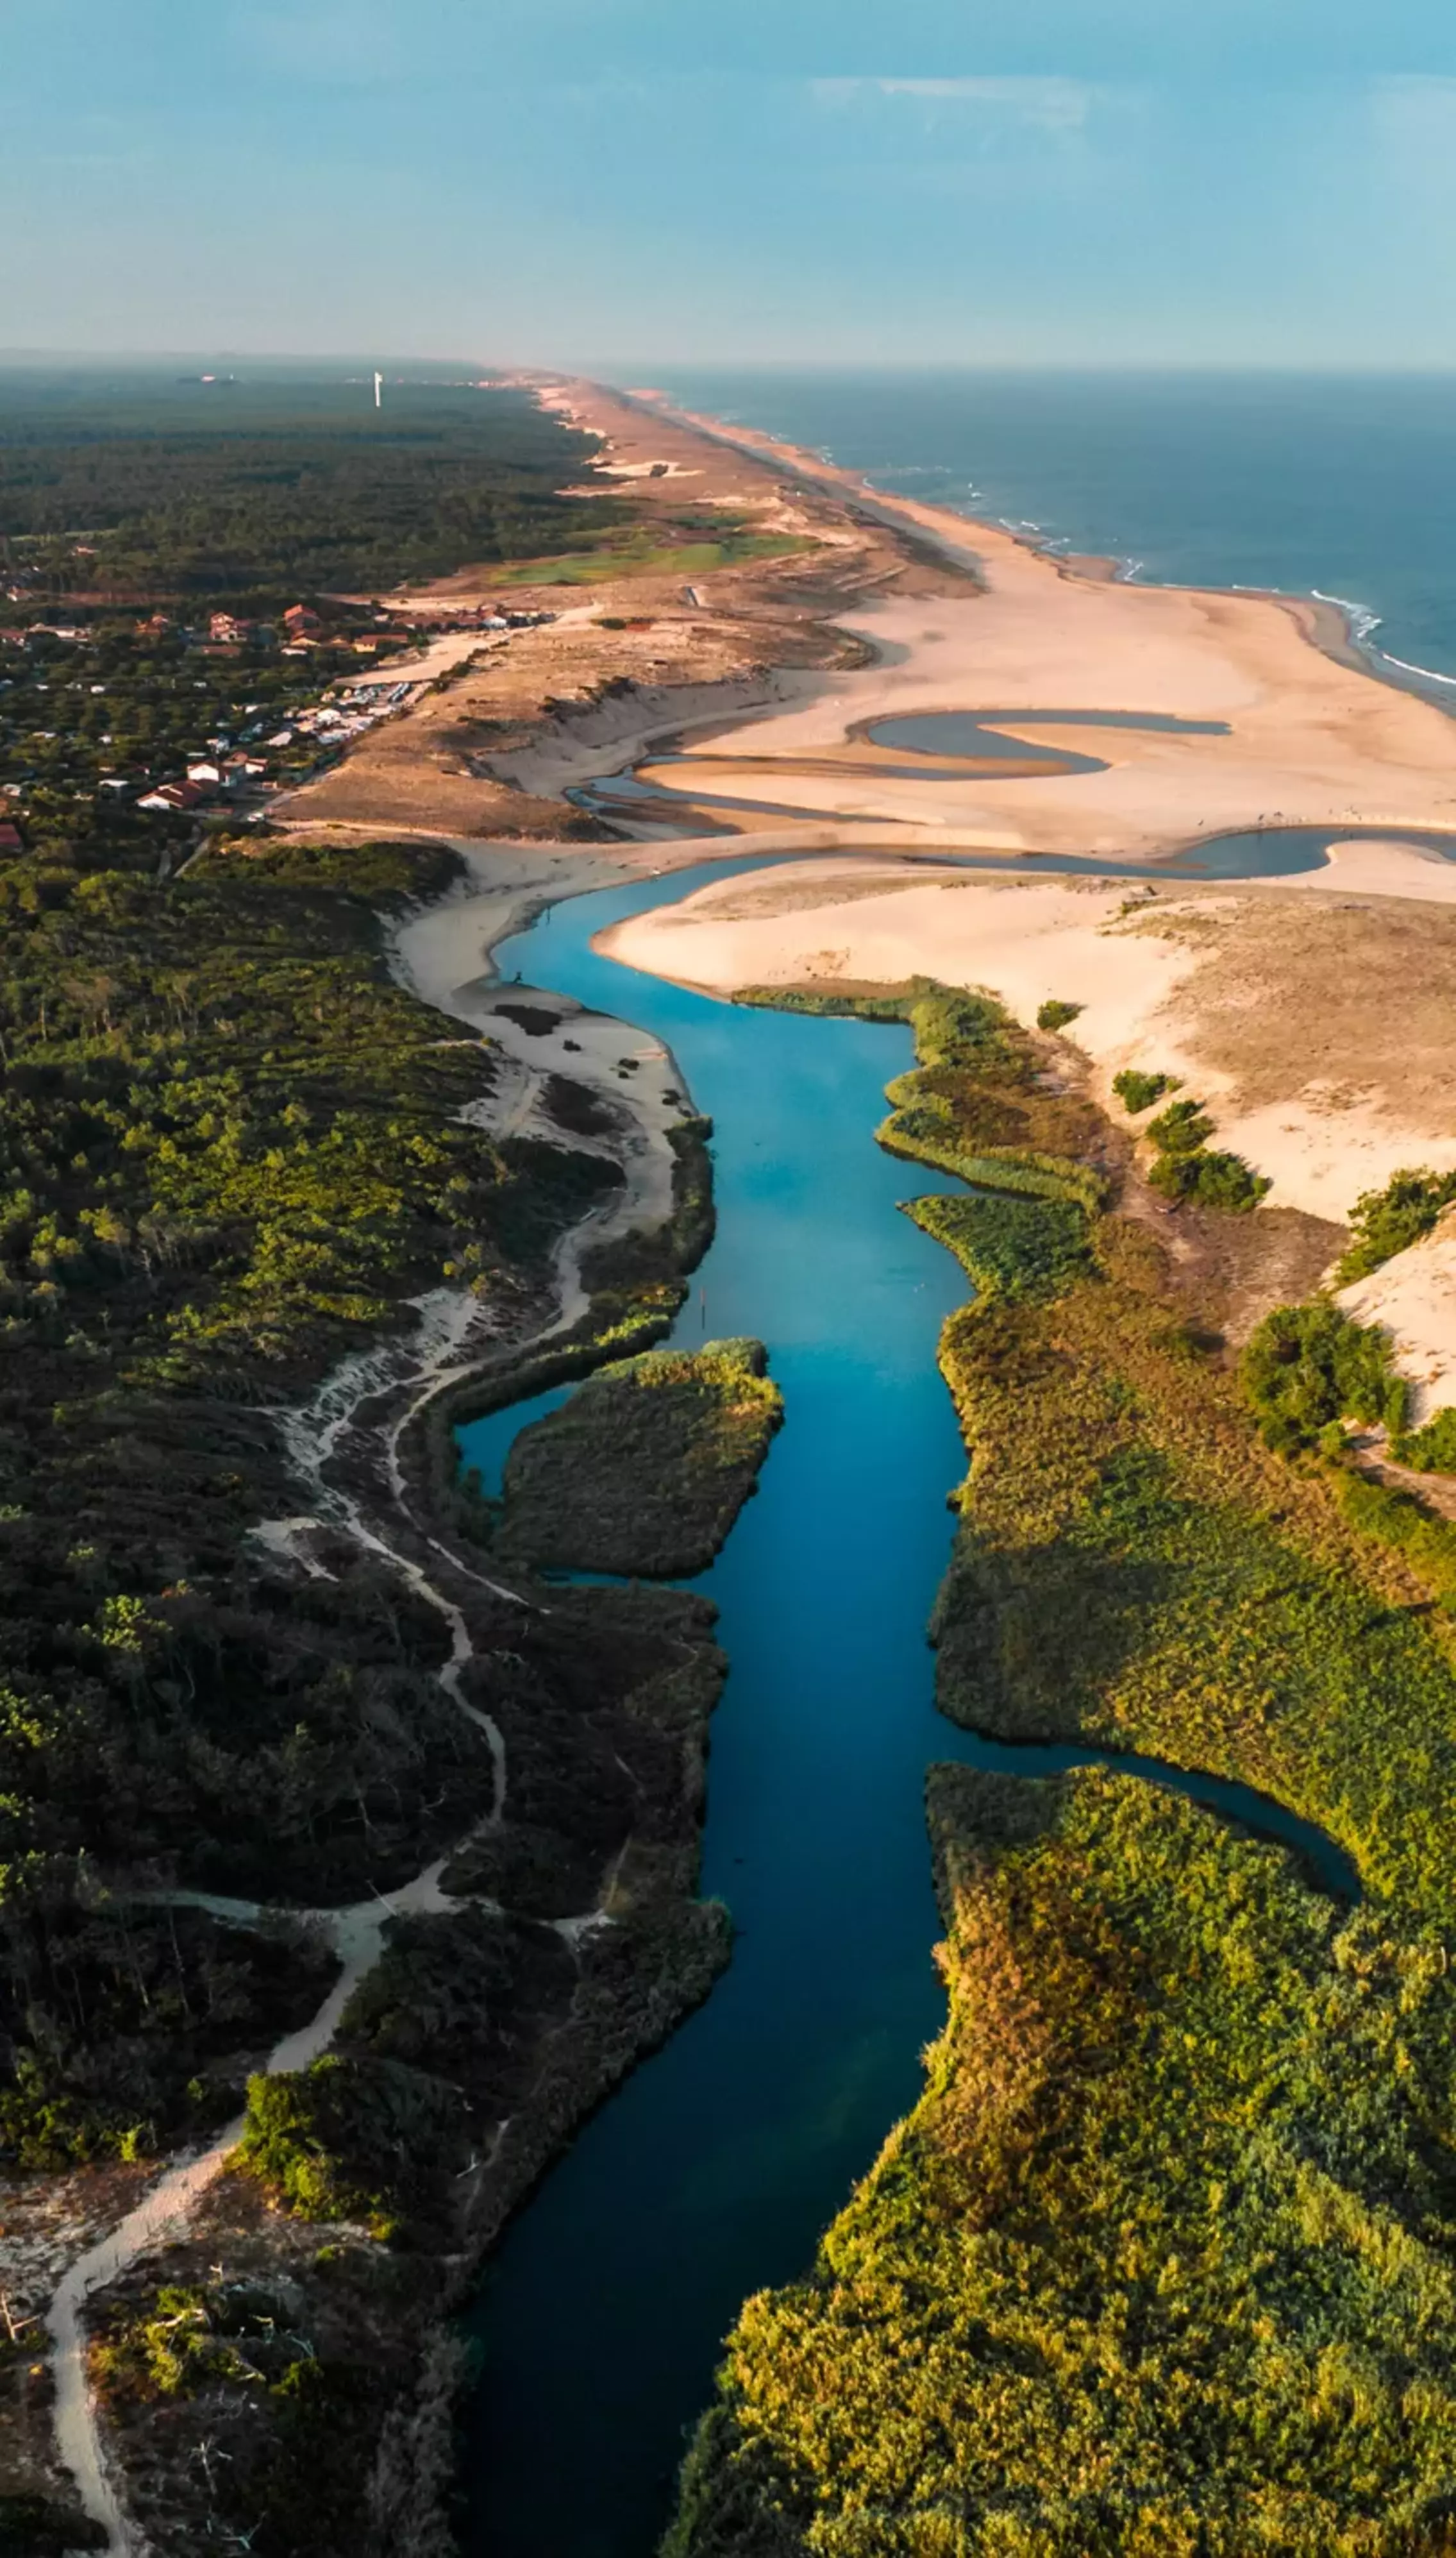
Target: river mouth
<point>716,2166</point>
<point>662,807</point>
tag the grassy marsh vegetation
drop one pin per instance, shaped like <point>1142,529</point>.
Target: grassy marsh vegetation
<point>973,1103</point>
<point>646,1468</point>
<point>1135,1565</point>
<point>1164,2261</point>
<point>1009,1246</point>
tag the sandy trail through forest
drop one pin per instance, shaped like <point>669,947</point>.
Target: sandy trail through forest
<point>451,1335</point>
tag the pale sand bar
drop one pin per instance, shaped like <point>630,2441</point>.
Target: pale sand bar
<point>1311,739</point>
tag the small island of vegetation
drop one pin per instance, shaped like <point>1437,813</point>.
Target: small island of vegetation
<point>646,1468</point>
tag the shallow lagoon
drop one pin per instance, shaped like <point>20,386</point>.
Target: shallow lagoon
<point>716,2166</point>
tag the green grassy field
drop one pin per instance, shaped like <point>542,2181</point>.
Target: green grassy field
<point>645,558</point>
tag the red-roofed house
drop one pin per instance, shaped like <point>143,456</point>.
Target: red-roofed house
<point>174,796</point>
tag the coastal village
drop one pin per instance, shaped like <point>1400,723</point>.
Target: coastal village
<point>238,768</point>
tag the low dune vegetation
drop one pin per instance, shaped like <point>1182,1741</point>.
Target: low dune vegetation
<point>1188,1168</point>
<point>1309,1368</point>
<point>1137,1091</point>
<point>645,1470</point>
<point>1389,1220</point>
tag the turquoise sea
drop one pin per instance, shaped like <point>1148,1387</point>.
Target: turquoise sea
<point>1314,484</point>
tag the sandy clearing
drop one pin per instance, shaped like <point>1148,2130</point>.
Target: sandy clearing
<point>444,957</point>
<point>1414,1296</point>
<point>1250,993</point>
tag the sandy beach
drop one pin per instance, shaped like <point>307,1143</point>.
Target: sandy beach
<point>1311,1011</point>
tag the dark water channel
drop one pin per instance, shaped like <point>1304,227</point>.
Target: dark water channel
<point>716,2167</point>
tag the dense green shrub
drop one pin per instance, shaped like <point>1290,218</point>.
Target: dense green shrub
<point>1137,1091</point>
<point>1211,1179</point>
<point>1431,1449</point>
<point>1309,1365</point>
<point>355,2139</point>
<point>1187,1169</point>
<point>1181,1129</point>
<point>1388,1221</point>
<point>1054,1015</point>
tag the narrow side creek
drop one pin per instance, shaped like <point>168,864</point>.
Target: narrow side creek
<point>714,2169</point>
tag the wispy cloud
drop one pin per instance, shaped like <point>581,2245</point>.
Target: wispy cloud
<point>347,47</point>
<point>1046,105</point>
<point>1415,105</point>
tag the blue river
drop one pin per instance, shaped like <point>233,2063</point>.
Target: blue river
<point>716,2167</point>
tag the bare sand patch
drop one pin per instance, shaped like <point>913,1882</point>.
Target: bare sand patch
<point>1414,1296</point>
<point>1318,1028</point>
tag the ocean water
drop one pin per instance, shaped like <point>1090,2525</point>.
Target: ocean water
<point>1344,488</point>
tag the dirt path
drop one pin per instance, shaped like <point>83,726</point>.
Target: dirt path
<point>454,1332</point>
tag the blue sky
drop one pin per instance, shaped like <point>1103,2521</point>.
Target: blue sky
<point>618,181</point>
